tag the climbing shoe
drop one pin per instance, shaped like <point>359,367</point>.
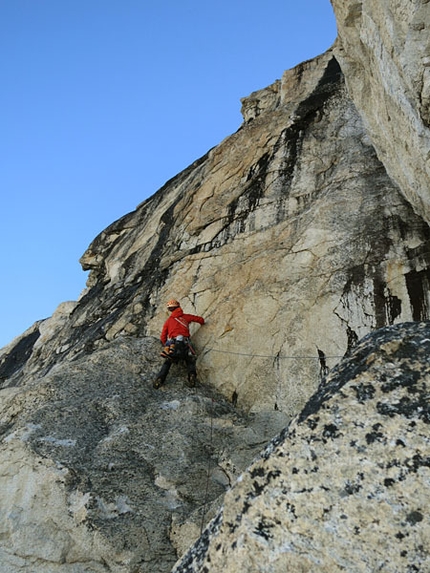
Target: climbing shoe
<point>157,383</point>
<point>192,380</point>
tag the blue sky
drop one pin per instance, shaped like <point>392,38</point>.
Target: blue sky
<point>103,101</point>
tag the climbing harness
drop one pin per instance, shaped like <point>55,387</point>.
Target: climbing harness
<point>171,348</point>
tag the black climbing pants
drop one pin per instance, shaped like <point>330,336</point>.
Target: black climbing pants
<point>181,352</point>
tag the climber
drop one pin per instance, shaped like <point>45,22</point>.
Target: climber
<point>175,338</point>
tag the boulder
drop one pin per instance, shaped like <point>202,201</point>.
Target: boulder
<point>345,486</point>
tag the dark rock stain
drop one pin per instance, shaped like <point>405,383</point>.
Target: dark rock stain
<point>263,529</point>
<point>376,435</point>
<point>414,517</point>
<point>312,423</point>
<point>364,392</point>
<point>417,283</point>
<point>406,407</point>
<point>331,431</point>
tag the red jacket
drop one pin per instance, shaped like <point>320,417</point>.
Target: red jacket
<point>177,324</point>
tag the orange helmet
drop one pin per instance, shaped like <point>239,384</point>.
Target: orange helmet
<point>173,303</point>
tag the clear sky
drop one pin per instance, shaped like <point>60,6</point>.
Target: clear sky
<point>103,101</point>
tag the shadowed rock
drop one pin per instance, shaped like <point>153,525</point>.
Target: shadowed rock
<point>100,470</point>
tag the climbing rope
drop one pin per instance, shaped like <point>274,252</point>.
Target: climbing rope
<point>276,356</point>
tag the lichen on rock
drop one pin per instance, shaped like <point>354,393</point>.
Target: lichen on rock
<point>345,486</point>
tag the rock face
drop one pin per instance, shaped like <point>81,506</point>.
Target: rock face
<point>345,486</point>
<point>289,238</point>
<point>295,237</point>
<point>384,51</point>
<point>101,472</point>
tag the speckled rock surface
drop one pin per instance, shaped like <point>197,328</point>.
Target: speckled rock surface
<point>346,486</point>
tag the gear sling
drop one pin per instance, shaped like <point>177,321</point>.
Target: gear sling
<point>177,349</point>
